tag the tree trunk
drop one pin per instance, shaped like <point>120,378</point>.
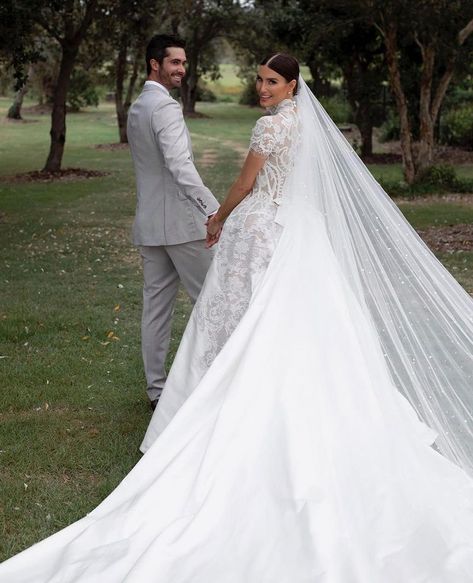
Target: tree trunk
<point>363,120</point>
<point>133,79</point>
<point>15,110</point>
<point>425,151</point>
<point>430,104</point>
<point>366,132</point>
<point>58,115</point>
<point>390,39</point>
<point>189,87</point>
<point>360,105</point>
<point>320,86</point>
<point>122,113</point>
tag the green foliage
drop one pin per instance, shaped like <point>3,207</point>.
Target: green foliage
<point>441,175</point>
<point>456,127</point>
<point>461,93</point>
<point>82,91</point>
<point>437,179</point>
<point>74,408</point>
<point>204,93</point>
<point>228,87</point>
<point>338,108</point>
<point>249,96</point>
<point>18,36</point>
<point>390,130</point>
<point>203,24</point>
<point>443,178</point>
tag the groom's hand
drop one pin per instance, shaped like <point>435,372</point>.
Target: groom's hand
<point>214,229</point>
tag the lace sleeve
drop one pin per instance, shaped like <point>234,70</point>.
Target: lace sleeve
<point>263,137</point>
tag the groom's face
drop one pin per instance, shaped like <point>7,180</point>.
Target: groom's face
<point>172,70</point>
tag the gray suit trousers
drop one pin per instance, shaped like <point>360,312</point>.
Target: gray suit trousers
<point>163,267</point>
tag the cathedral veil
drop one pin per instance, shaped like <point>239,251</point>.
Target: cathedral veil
<point>423,317</point>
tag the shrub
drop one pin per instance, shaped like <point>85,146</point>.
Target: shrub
<point>205,94</point>
<point>227,98</point>
<point>338,108</point>
<point>456,128</point>
<point>441,175</point>
<point>249,95</point>
<point>82,91</point>
<point>390,130</point>
<point>437,179</point>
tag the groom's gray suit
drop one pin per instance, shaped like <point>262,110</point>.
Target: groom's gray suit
<point>169,227</point>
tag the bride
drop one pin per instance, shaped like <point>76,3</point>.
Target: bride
<point>316,425</point>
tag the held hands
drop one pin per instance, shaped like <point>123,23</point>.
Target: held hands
<point>214,229</point>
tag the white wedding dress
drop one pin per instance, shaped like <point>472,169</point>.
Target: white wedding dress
<point>281,450</point>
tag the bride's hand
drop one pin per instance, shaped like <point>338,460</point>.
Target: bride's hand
<point>214,229</point>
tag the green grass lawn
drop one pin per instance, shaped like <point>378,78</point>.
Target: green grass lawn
<point>72,395</point>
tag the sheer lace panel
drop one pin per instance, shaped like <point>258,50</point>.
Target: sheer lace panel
<point>275,137</point>
<point>249,237</point>
<point>263,137</point>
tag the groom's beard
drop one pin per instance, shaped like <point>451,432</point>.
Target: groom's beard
<point>171,80</point>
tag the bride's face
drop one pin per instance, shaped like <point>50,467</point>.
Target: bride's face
<point>272,87</point>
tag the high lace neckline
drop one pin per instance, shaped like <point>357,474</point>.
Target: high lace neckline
<point>284,104</point>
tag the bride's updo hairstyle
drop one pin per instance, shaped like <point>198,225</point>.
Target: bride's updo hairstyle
<point>284,65</point>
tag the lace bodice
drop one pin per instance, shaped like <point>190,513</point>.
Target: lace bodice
<point>249,238</point>
<point>275,137</point>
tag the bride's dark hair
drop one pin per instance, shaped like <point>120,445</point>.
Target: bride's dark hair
<point>285,65</point>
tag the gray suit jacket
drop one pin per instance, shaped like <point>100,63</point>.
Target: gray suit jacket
<point>172,201</point>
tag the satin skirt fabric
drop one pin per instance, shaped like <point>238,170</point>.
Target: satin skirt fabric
<point>293,460</point>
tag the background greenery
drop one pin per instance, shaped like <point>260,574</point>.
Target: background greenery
<point>73,408</point>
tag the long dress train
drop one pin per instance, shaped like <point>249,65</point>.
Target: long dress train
<point>293,459</point>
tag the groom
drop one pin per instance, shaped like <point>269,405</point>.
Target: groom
<point>173,204</point>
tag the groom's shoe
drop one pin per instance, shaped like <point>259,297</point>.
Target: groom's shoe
<point>153,403</point>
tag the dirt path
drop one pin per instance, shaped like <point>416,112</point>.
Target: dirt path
<point>210,155</point>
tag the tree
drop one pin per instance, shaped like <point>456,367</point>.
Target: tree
<point>335,37</point>
<point>256,37</point>
<point>440,30</point>
<point>131,26</point>
<point>67,22</point>
<point>17,36</point>
<point>14,111</point>
<point>201,22</point>
<point>346,40</point>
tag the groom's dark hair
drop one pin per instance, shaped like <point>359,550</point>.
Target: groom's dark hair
<point>158,45</point>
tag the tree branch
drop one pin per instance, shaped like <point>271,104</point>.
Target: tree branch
<point>68,19</point>
<point>419,44</point>
<point>132,80</point>
<point>465,32</point>
<point>390,37</point>
<point>50,30</point>
<point>86,21</point>
<point>447,76</point>
<point>442,89</point>
<point>428,62</point>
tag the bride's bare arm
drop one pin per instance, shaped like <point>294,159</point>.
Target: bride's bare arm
<point>239,189</point>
